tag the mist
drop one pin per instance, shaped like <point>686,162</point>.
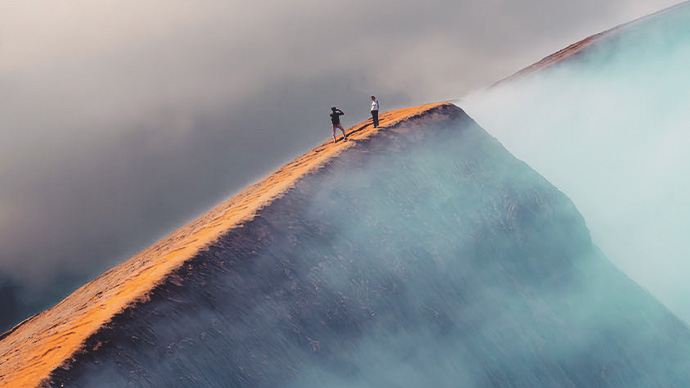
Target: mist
<point>120,121</point>
<point>425,256</point>
<point>611,129</point>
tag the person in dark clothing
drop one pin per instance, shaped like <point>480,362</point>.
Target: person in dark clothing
<point>375,111</point>
<point>335,120</point>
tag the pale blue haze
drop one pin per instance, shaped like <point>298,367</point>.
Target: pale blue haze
<point>611,128</point>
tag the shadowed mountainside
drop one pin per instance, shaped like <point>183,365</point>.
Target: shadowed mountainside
<point>32,349</point>
<point>421,253</point>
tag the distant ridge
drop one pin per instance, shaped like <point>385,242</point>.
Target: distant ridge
<point>575,49</point>
<point>33,349</point>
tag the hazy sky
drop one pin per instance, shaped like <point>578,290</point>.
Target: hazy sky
<point>121,120</point>
<point>612,131</point>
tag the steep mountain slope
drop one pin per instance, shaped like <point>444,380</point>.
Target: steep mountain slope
<point>607,123</point>
<point>422,253</point>
<point>32,349</point>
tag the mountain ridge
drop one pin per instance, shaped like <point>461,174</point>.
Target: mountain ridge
<point>425,255</point>
<point>31,350</point>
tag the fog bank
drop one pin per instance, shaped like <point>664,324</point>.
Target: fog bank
<point>611,129</point>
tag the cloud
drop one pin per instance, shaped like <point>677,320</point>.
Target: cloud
<point>121,120</point>
<point>610,129</point>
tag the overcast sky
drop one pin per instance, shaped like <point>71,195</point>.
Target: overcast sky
<point>121,120</point>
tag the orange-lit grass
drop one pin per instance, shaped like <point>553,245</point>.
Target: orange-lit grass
<point>33,349</point>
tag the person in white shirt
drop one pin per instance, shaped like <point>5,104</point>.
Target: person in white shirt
<point>375,111</point>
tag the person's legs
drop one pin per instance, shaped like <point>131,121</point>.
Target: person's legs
<point>341,130</point>
<point>334,127</point>
<point>375,117</point>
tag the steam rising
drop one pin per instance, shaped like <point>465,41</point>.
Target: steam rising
<point>611,128</point>
<point>428,258</point>
<point>121,120</point>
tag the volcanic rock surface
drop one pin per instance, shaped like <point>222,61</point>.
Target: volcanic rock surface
<point>421,253</point>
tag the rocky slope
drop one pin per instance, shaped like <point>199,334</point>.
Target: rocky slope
<point>32,349</point>
<point>418,254</point>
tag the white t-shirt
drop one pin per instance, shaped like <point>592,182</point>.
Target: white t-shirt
<point>375,105</point>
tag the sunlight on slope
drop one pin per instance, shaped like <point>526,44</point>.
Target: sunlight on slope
<point>33,349</point>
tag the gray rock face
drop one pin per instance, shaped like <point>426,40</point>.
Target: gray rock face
<point>425,256</point>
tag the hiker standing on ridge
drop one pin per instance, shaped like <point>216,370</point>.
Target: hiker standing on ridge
<point>335,120</point>
<point>375,111</point>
